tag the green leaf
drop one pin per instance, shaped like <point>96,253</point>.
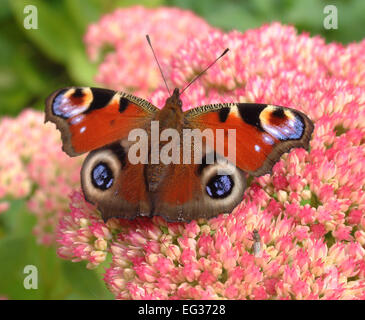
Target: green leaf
<point>85,283</point>
<point>264,7</point>
<point>17,252</point>
<point>232,16</point>
<point>13,101</point>
<point>57,278</point>
<point>306,14</point>
<point>5,11</point>
<point>30,76</point>
<point>145,3</point>
<point>84,12</point>
<point>55,35</point>
<point>79,67</point>
<point>14,257</point>
<point>17,221</point>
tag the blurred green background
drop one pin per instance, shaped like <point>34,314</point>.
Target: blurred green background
<point>35,62</point>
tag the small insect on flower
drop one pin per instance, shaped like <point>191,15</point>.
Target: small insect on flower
<point>256,247</point>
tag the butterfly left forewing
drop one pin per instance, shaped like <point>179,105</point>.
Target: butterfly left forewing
<point>263,132</point>
<point>90,118</point>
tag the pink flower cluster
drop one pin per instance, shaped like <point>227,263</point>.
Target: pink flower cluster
<point>310,212</point>
<point>127,67</point>
<point>14,180</point>
<point>34,167</point>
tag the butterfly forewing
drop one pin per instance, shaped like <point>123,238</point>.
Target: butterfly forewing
<point>90,118</point>
<point>263,132</point>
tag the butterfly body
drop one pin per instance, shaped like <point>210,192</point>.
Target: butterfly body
<point>102,122</point>
<point>171,116</point>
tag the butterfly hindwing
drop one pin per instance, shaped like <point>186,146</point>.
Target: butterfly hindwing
<point>90,118</point>
<point>208,188</point>
<point>263,132</point>
<point>113,184</point>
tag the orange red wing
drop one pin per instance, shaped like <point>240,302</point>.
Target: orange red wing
<point>90,118</point>
<point>263,132</point>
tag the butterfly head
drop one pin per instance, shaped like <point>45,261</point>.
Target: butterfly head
<point>174,101</point>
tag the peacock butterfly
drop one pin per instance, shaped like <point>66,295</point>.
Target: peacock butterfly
<point>100,121</point>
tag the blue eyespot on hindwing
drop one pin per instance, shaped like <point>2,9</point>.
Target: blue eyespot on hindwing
<point>220,186</point>
<point>102,176</point>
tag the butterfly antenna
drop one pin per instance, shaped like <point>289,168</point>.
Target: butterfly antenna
<point>189,84</point>
<point>153,51</point>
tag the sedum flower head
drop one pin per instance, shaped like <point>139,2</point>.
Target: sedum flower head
<point>130,66</point>
<point>309,213</point>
